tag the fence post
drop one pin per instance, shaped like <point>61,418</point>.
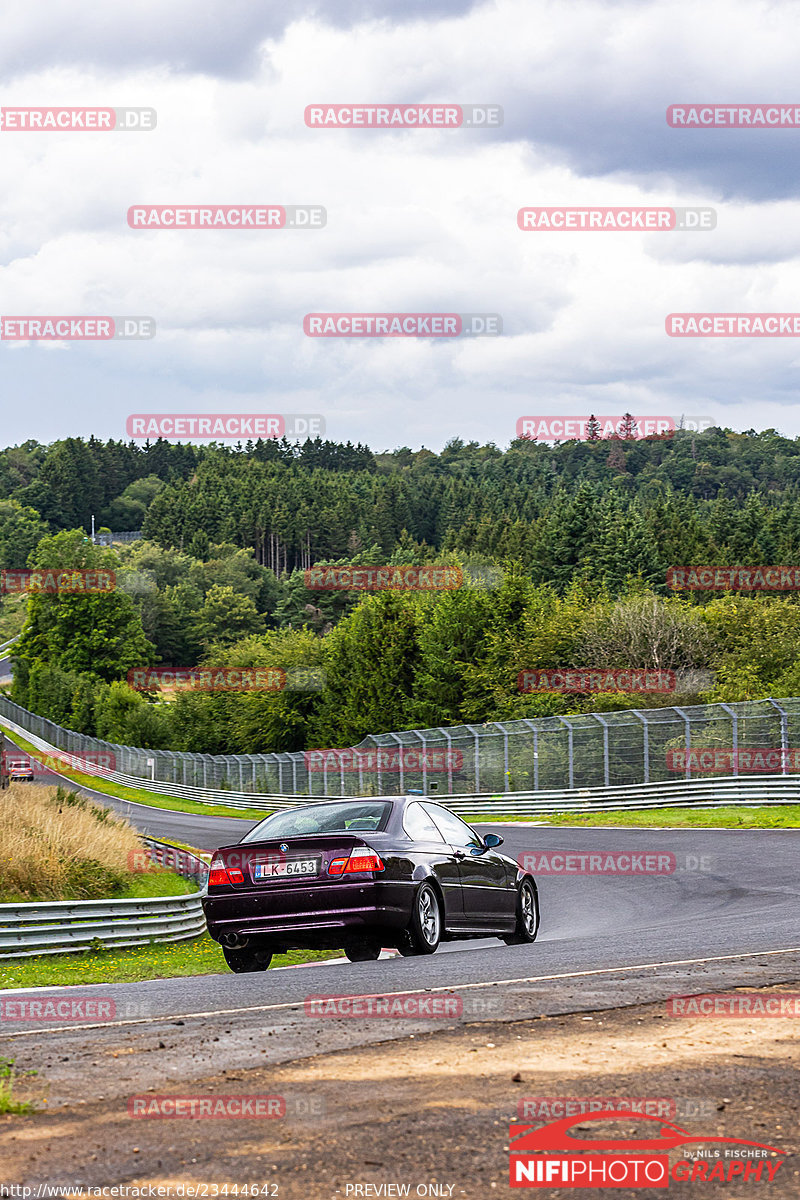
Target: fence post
<point>535,729</point>
<point>570,745</point>
<point>421,737</point>
<point>734,736</point>
<point>476,755</point>
<point>688,720</point>
<point>784,733</point>
<point>645,744</point>
<point>604,723</point>
<point>449,739</point>
<point>402,772</point>
<point>506,783</point>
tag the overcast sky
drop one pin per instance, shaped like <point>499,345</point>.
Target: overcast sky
<point>417,221</point>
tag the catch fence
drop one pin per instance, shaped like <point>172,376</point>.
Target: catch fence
<point>544,754</point>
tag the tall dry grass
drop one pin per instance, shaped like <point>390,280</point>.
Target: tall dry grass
<point>58,845</point>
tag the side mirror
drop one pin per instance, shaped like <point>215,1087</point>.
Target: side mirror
<point>493,839</point>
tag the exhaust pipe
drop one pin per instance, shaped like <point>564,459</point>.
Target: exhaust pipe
<point>233,941</point>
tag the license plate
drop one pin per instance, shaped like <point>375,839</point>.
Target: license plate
<point>301,866</point>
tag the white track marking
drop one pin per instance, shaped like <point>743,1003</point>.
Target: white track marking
<point>227,1012</point>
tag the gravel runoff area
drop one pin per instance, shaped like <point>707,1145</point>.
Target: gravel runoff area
<point>430,1112</point>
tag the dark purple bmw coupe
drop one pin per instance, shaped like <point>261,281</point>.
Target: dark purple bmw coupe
<point>362,874</point>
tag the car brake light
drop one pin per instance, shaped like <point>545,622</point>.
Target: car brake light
<point>361,859</point>
<point>219,875</point>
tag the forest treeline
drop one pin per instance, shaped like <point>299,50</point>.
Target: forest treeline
<point>574,539</point>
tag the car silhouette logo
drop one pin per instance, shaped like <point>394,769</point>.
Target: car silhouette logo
<point>284,847</point>
<point>558,1135</point>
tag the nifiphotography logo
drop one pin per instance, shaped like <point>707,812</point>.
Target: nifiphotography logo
<point>537,1157</point>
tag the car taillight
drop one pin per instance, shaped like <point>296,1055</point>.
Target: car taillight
<point>361,858</point>
<point>219,875</point>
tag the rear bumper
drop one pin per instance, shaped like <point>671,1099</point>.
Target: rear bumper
<point>316,917</point>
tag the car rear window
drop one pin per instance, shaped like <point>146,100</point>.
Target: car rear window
<point>367,817</point>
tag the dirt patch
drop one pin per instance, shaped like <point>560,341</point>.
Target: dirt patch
<point>432,1111</point>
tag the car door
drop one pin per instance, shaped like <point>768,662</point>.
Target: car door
<point>489,894</point>
<point>434,849</point>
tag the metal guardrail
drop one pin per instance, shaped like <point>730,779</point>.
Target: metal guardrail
<point>7,645</point>
<point>730,791</point>
<point>68,926</point>
<point>175,858</point>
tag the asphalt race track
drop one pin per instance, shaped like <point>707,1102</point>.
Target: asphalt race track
<point>728,915</point>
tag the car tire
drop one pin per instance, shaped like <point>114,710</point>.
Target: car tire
<point>527,916</point>
<point>362,952</point>
<point>425,931</point>
<point>242,961</point>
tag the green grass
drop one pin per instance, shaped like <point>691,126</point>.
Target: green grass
<point>140,795</point>
<point>784,816</point>
<point>138,886</point>
<point>199,956</point>
<point>156,883</point>
<point>7,1080</point>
